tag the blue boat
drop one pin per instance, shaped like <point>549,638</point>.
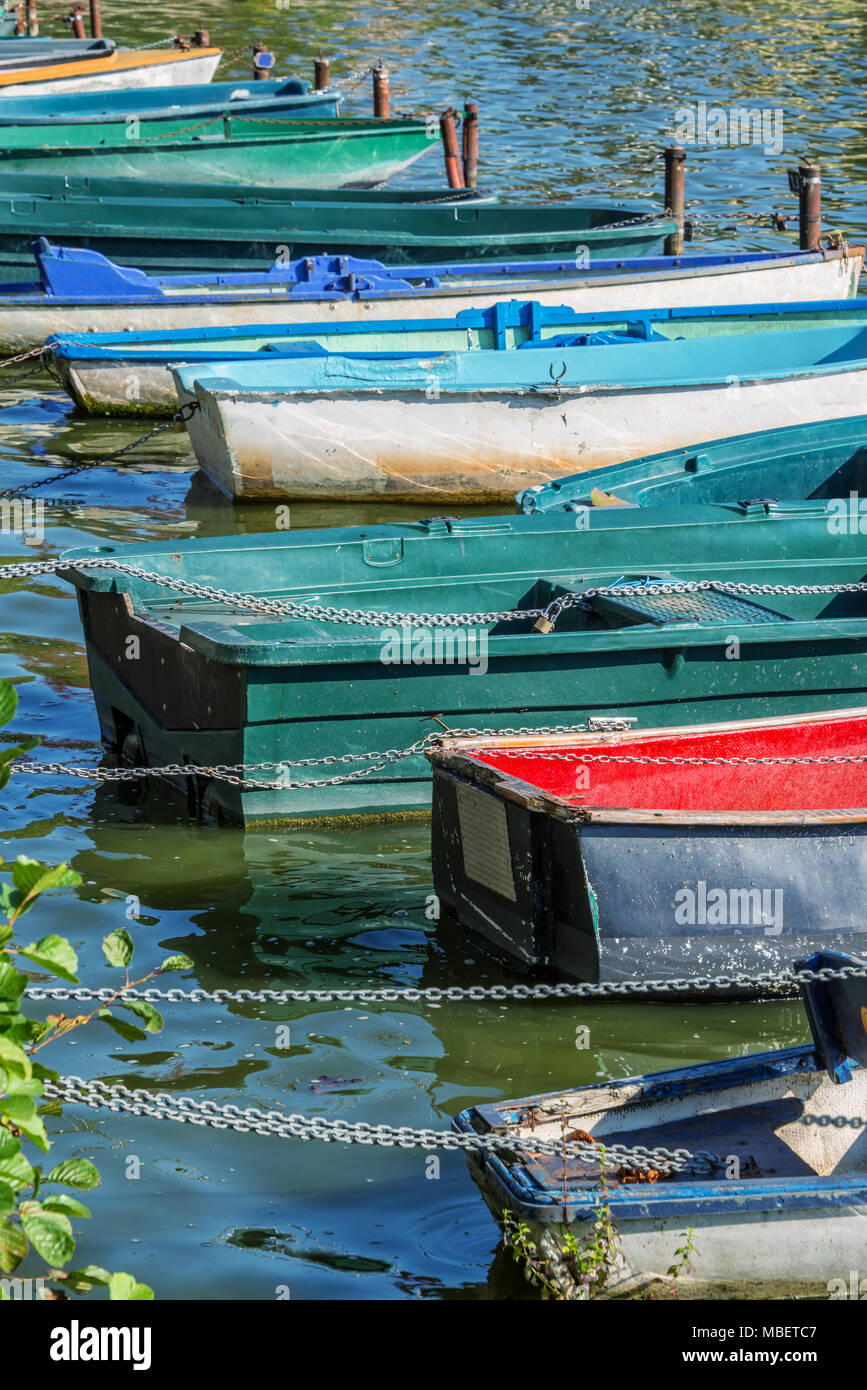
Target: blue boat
<point>199,99</point>
<point>776,1207</point>
<point>79,289</point>
<point>828,459</point>
<point>477,423</point>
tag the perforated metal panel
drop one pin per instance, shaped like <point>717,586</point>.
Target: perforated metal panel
<point>708,606</point>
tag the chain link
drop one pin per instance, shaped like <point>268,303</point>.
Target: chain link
<point>362,617</point>
<point>250,1120</point>
<point>613,989</point>
<point>27,488</point>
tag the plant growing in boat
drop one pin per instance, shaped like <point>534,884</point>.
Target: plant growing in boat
<point>33,1214</point>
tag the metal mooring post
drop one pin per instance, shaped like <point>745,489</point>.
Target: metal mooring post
<point>21,25</point>
<point>471,143</point>
<point>321,73</point>
<point>263,61</point>
<point>675,161</point>
<point>806,181</point>
<point>202,38</point>
<point>381,93</point>
<point>32,20</point>
<point>95,20</point>
<point>454,172</point>
<point>77,20</point>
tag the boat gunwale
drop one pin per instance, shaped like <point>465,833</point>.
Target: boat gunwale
<point>457,756</point>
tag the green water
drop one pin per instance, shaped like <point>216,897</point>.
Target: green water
<point>212,1215</point>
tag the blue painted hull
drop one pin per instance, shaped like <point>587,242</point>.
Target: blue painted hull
<point>197,99</point>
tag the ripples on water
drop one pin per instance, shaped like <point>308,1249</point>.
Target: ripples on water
<point>568,96</point>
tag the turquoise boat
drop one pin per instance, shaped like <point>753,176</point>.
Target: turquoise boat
<point>513,405</point>
<point>366,672</point>
<point>235,148</point>
<point>195,100</point>
<point>824,460</point>
<point>177,228</point>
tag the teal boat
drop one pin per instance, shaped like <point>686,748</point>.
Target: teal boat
<point>367,670</point>
<point>198,99</point>
<point>825,459</point>
<point>175,228</point>
<point>229,147</point>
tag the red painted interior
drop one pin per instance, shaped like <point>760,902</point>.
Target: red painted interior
<point>642,786</point>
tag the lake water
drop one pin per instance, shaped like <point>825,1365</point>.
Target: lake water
<point>569,98</point>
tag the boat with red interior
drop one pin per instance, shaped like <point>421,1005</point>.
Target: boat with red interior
<point>630,854</point>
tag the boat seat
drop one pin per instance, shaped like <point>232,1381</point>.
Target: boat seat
<point>638,332</point>
<point>707,606</point>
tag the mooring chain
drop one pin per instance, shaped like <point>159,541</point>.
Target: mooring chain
<point>291,608</point>
<point>789,980</point>
<point>236,774</point>
<point>26,488</point>
<point>250,1120</point>
<point>566,756</point>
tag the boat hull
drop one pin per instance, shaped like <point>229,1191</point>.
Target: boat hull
<point>404,445</point>
<point>209,690</point>
<point>162,69</point>
<point>331,154</point>
<point>120,385</point>
<point>793,1227</point>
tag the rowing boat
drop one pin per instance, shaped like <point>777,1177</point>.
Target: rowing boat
<point>29,53</point>
<point>232,148</point>
<point>349,678</point>
<point>81,288</point>
<point>474,425</point>
<point>193,102</point>
<point>828,459</point>
<point>708,850</point>
<point>181,228</point>
<point>144,67</point>
<point>776,1209</point>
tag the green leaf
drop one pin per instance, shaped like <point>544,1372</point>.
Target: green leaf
<point>9,1145</point>
<point>7,1199</point>
<point>17,1108</point>
<point>14,1059</point>
<point>16,1171</point>
<point>124,1288</point>
<point>34,1130</point>
<point>176,963</point>
<point>61,1201</point>
<point>75,1172</point>
<point>53,953</point>
<point>13,1246</point>
<point>83,1280</point>
<point>118,948</point>
<point>50,1235</point>
<point>12,982</point>
<point>153,1021</point>
<point>127,1031</point>
<point>8,702</point>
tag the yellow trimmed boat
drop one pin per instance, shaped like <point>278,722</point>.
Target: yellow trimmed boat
<point>147,67</point>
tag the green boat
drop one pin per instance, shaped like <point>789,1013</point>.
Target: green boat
<point>229,148</point>
<point>178,228</point>
<point>369,668</point>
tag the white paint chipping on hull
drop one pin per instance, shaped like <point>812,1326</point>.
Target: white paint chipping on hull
<point>26,326</point>
<point>183,72</point>
<point>481,447</point>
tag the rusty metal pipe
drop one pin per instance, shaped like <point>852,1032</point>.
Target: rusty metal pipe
<point>470,143</point>
<point>77,21</point>
<point>321,73</point>
<point>810,206</point>
<point>261,70</point>
<point>454,171</point>
<point>381,94</point>
<point>95,20</point>
<point>21,25</point>
<point>202,38</point>
<point>675,161</point>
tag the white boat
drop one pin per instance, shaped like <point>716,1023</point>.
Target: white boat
<point>478,425</point>
<point>155,67</point>
<point>776,1203</point>
<point>98,377</point>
